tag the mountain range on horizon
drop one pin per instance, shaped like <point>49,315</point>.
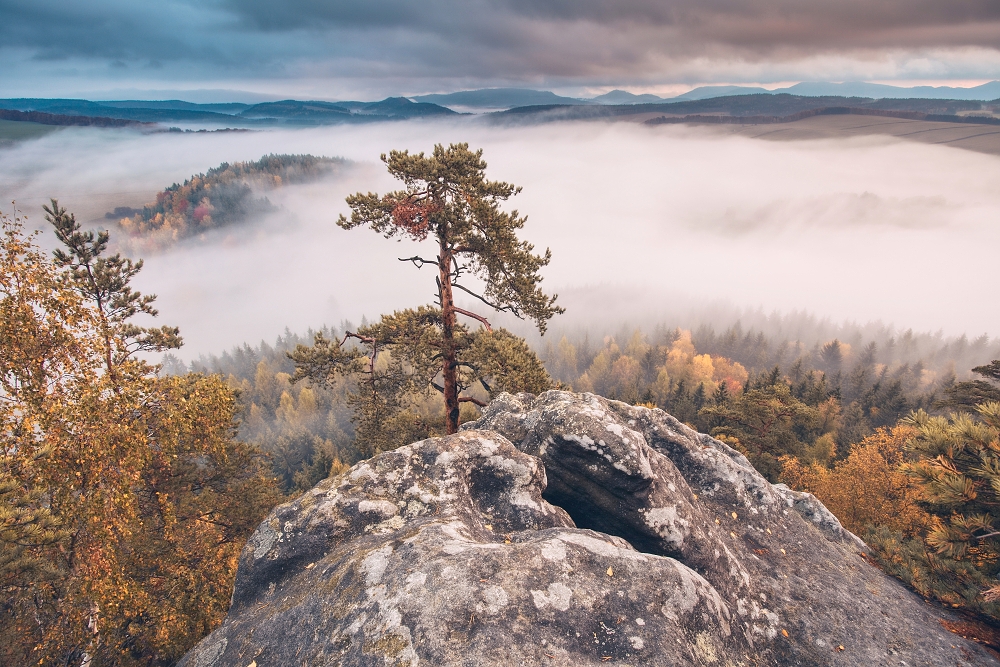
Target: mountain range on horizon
<point>318,112</point>
<point>506,98</point>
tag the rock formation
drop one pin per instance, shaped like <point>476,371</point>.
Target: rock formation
<point>566,529</point>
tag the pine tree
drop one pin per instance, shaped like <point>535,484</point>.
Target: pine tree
<point>957,470</point>
<point>398,358</point>
<point>104,281</point>
<point>449,199</point>
<point>765,422</point>
<point>966,395</point>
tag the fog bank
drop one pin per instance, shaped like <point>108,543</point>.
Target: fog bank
<point>643,222</point>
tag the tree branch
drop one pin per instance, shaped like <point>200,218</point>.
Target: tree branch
<point>482,319</point>
<point>471,399</point>
<point>418,261</point>
<point>502,309</point>
<point>363,339</point>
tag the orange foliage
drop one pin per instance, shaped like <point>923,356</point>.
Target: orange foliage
<point>867,489</point>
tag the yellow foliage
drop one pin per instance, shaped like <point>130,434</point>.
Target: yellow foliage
<point>637,346</point>
<point>867,489</point>
<point>684,363</point>
<point>141,475</point>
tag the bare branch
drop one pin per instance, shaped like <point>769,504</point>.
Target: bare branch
<point>497,307</point>
<point>482,319</point>
<point>363,339</point>
<point>470,399</point>
<point>418,261</point>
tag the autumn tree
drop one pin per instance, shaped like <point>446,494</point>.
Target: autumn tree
<point>124,498</point>
<point>867,490</point>
<point>447,198</point>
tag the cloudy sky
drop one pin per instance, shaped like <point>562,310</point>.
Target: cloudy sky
<point>335,49</point>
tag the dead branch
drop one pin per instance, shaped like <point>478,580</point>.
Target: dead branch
<point>482,319</point>
<point>418,261</point>
<point>471,399</point>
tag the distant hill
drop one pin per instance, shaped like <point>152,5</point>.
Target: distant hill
<point>985,92</point>
<point>143,112</point>
<point>706,92</point>
<point>625,97</point>
<point>498,98</point>
<point>231,114</point>
<point>220,197</point>
<point>44,118</point>
<point>777,105</point>
<point>176,105</point>
<point>293,109</point>
<point>510,98</point>
<point>389,108</point>
<point>400,107</point>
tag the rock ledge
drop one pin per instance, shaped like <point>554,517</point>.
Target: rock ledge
<point>566,529</point>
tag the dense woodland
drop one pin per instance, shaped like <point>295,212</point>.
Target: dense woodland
<point>222,196</point>
<point>128,490</point>
<point>841,396</point>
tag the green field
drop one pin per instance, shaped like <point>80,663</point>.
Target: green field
<point>13,130</point>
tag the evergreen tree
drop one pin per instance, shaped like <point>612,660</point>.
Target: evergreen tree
<point>957,471</point>
<point>400,356</point>
<point>966,395</point>
<point>766,422</point>
<point>104,281</point>
<point>449,199</point>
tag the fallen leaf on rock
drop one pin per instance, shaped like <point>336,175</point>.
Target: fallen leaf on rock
<point>611,572</point>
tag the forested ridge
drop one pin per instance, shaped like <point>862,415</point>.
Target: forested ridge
<point>222,196</point>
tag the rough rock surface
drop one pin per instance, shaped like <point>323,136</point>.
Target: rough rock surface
<point>650,544</point>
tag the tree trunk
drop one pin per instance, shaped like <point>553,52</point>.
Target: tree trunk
<point>450,362</point>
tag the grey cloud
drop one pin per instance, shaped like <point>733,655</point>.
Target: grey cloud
<point>568,41</point>
<point>107,29</point>
<point>752,24</point>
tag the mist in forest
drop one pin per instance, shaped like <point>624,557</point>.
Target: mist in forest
<point>645,224</point>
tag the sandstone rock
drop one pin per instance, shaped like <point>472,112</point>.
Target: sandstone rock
<point>650,544</point>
